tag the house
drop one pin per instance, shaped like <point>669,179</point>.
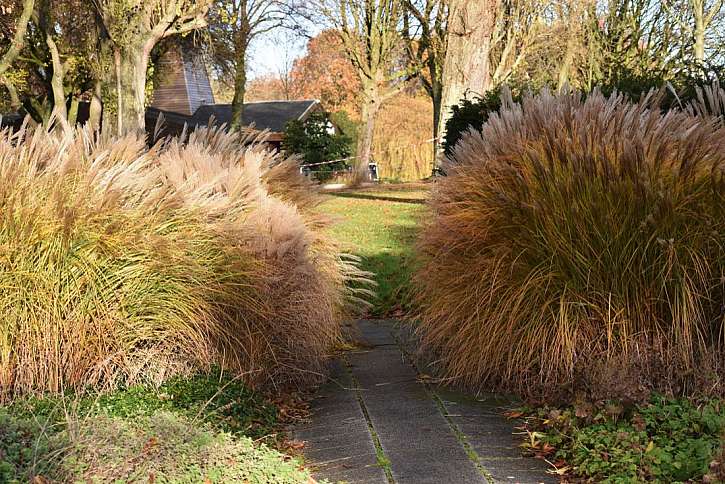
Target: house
<point>184,96</point>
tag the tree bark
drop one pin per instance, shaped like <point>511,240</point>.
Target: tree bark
<point>699,31</point>
<point>131,66</point>
<point>571,44</point>
<point>132,50</point>
<point>18,41</point>
<point>56,82</point>
<point>370,111</point>
<point>467,65</point>
<point>437,98</point>
<point>96,108</point>
<point>15,102</point>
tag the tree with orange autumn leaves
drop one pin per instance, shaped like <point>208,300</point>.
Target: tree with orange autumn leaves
<point>325,73</point>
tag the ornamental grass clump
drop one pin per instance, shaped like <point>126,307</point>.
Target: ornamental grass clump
<point>578,243</point>
<point>124,264</point>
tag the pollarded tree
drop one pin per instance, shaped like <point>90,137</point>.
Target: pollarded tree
<point>132,28</point>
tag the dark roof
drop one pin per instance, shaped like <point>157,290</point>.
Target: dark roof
<point>271,115</point>
<point>11,120</point>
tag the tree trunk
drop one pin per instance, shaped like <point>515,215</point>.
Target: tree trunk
<point>467,65</point>
<point>370,110</point>
<point>56,82</point>
<point>699,33</point>
<point>73,112</point>
<point>240,89</point>
<point>18,41</point>
<point>568,60</point>
<point>437,98</point>
<point>96,109</point>
<point>131,65</point>
<point>15,102</point>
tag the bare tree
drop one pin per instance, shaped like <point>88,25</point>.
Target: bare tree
<point>700,23</point>
<point>285,68</point>
<point>517,28</point>
<point>488,41</point>
<point>425,32</point>
<point>370,34</point>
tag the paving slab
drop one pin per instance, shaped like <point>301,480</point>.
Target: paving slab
<point>376,421</point>
<point>339,446</point>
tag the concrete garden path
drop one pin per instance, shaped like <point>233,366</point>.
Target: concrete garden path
<point>378,421</point>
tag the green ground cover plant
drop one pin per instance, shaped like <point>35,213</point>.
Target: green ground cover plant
<point>215,398</point>
<point>664,440</point>
<point>160,447</point>
<point>186,430</point>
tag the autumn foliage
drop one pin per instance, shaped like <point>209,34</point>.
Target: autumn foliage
<point>325,73</point>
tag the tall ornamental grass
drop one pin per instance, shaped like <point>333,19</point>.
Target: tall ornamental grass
<point>578,246</point>
<point>124,264</point>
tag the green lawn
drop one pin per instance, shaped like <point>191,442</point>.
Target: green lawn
<point>382,233</point>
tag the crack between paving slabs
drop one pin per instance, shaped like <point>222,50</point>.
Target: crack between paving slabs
<point>380,456</point>
<point>460,436</point>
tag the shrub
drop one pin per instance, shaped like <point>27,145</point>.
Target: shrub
<point>575,237</point>
<point>469,114</point>
<point>127,264</point>
<point>315,143</point>
<point>472,113</point>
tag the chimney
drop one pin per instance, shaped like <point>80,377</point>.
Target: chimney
<point>181,82</point>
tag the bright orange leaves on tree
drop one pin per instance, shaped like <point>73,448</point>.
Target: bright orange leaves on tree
<point>325,73</point>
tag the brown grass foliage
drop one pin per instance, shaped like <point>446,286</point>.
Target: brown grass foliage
<point>581,243</point>
<point>121,263</point>
<point>402,145</point>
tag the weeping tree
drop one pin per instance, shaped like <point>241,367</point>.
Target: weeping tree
<point>131,29</point>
